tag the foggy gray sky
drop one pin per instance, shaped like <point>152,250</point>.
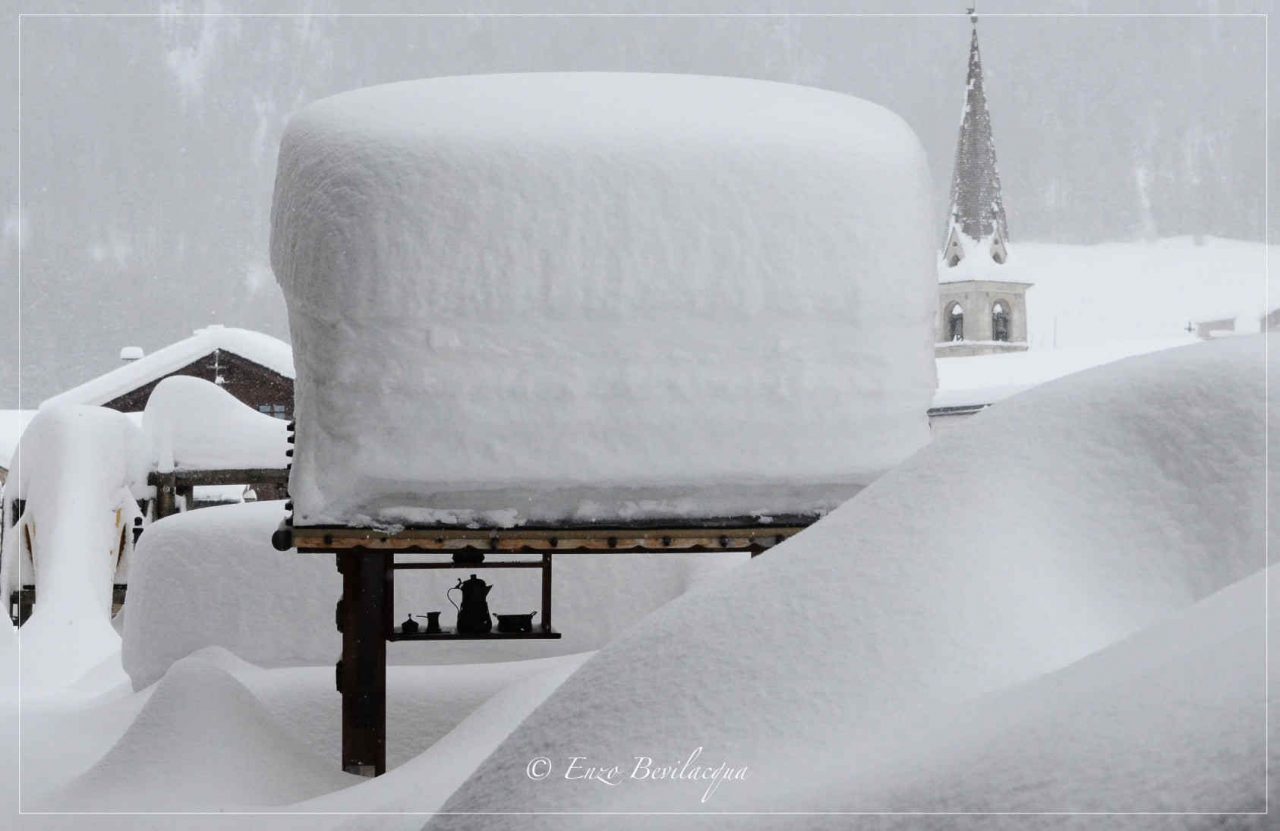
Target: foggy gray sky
<point>149,143</point>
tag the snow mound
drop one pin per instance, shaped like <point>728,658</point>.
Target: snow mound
<point>193,424</point>
<point>423,702</point>
<point>423,783</point>
<point>78,471</point>
<point>1047,528</point>
<point>202,741</point>
<point>1172,719</point>
<point>984,379</point>
<point>601,296</point>
<point>211,578</point>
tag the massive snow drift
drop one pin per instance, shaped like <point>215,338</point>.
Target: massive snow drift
<point>594,296</point>
<point>1047,529</point>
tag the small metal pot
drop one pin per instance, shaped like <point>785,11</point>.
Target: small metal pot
<point>512,624</point>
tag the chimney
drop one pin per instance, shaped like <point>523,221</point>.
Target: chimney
<point>129,354</point>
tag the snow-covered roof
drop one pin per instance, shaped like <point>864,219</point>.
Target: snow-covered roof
<point>525,295</point>
<point>975,271</point>
<point>264,350</point>
<point>194,424</point>
<point>12,423</point>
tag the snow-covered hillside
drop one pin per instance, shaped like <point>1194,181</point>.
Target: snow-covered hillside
<point>1092,295</point>
<point>1094,304</point>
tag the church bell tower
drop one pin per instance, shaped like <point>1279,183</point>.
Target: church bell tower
<point>980,310</point>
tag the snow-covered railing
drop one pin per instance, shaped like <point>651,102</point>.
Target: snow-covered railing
<point>176,487</point>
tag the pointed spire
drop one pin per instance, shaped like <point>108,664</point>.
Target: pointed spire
<point>977,223</point>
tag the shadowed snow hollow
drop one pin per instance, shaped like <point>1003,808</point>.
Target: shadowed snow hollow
<point>1048,528</point>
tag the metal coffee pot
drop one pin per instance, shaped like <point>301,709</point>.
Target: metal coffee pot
<point>473,613</point>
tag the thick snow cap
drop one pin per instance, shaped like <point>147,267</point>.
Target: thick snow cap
<point>600,296</point>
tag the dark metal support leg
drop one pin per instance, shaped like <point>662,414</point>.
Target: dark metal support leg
<point>362,674</point>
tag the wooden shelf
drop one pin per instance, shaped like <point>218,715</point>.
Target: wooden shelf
<point>542,629</point>
<point>450,635</point>
<point>464,566</point>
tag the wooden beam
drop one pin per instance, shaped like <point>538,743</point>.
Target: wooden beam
<point>537,634</point>
<point>522,540</point>
<point>222,476</point>
<point>450,564</point>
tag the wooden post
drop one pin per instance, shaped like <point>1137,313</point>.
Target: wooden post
<point>362,674</point>
<point>546,592</point>
<point>166,496</point>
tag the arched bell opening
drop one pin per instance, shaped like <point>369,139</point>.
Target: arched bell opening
<point>1001,321</point>
<point>955,322</point>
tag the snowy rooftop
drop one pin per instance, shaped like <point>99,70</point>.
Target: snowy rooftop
<point>600,295</point>
<point>264,350</point>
